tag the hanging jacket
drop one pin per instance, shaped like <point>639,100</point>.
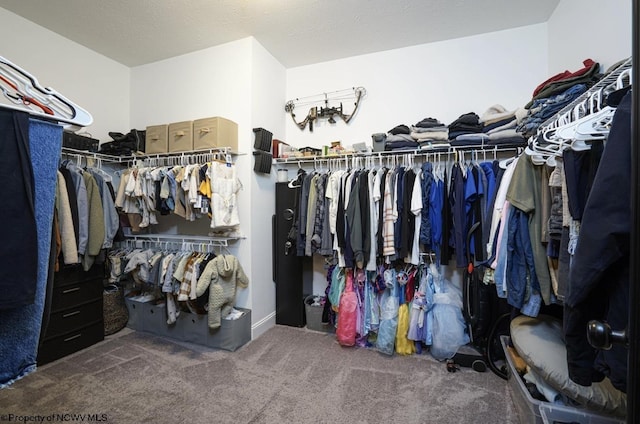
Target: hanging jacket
<point>599,276</point>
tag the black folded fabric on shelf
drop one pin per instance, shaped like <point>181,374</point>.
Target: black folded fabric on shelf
<point>124,144</point>
<point>401,145</point>
<point>465,124</point>
<point>400,129</point>
<point>498,124</point>
<point>470,118</point>
<point>429,123</point>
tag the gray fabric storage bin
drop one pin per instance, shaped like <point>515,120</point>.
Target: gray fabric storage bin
<point>155,321</point>
<point>135,321</point>
<point>194,328</point>
<point>232,334</point>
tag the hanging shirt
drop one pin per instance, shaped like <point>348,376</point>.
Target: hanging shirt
<point>436,203</point>
<point>332,193</point>
<point>374,198</point>
<point>399,199</point>
<point>390,216</point>
<point>225,186</point>
<point>381,211</point>
<point>83,211</point>
<point>407,219</point>
<point>427,186</point>
<point>311,214</point>
<point>416,209</point>
<point>525,194</point>
<point>458,236</point>
<point>501,196</point>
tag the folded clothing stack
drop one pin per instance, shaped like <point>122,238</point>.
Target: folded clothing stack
<point>468,123</point>
<point>399,138</point>
<point>559,83</point>
<point>430,133</point>
<point>545,108</point>
<point>500,126</point>
<point>556,92</point>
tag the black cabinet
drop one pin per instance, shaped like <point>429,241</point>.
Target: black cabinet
<point>290,272</point>
<point>76,318</point>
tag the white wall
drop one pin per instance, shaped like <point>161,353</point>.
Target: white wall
<point>268,85</point>
<point>581,29</point>
<point>92,81</point>
<point>441,80</point>
<point>239,81</point>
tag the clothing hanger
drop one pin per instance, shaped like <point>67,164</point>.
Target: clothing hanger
<point>19,98</point>
<point>52,105</point>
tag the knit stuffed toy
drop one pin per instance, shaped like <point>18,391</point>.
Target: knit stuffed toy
<point>222,275</point>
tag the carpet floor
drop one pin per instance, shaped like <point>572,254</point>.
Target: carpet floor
<point>287,375</point>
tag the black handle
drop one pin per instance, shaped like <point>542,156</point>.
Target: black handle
<point>602,336</point>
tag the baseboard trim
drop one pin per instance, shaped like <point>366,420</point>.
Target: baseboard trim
<point>258,328</point>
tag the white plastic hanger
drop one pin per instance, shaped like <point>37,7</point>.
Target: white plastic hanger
<point>43,102</point>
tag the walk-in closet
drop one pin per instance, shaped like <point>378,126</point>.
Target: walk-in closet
<point>312,212</point>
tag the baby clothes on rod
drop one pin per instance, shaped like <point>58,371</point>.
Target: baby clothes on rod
<point>192,192</point>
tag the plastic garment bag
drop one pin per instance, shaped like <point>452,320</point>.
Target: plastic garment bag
<point>388,316</point>
<point>372,309</point>
<point>448,324</point>
<point>348,314</point>
<point>416,316</point>
<point>420,316</point>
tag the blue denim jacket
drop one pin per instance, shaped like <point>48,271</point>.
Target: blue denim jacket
<point>523,289</point>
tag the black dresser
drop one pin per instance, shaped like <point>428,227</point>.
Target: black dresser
<point>76,318</point>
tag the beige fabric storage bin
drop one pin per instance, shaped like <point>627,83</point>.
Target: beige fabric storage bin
<point>157,140</point>
<point>215,133</point>
<point>181,136</point>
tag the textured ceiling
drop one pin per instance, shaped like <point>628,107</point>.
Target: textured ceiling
<point>296,32</point>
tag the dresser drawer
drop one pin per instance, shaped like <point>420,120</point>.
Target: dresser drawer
<point>70,295</point>
<point>181,136</point>
<point>75,274</point>
<point>71,319</point>
<point>67,343</point>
